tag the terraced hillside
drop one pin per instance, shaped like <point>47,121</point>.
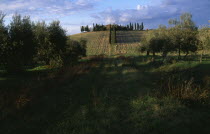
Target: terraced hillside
<point>97,42</point>
<point>128,42</point>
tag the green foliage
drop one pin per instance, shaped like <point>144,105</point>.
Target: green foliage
<point>142,26</point>
<point>57,36</point>
<point>56,61</point>
<point>4,38</point>
<point>184,34</point>
<point>185,22</point>
<point>114,34</point>
<point>181,38</point>
<point>110,35</point>
<point>25,43</point>
<point>157,41</point>
<point>189,41</point>
<point>85,28</point>
<point>44,48</point>
<point>82,29</point>
<point>74,51</point>
<point>99,27</point>
<point>204,40</point>
<point>21,47</point>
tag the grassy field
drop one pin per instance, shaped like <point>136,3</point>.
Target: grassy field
<point>105,95</point>
<point>128,42</point>
<point>117,91</point>
<point>97,42</point>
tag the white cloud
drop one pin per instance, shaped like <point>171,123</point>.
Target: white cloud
<point>46,7</point>
<point>154,15</point>
<point>139,7</point>
<point>72,29</point>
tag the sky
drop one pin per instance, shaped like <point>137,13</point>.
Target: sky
<point>74,13</point>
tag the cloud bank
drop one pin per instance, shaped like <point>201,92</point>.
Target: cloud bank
<point>153,15</point>
<point>73,13</point>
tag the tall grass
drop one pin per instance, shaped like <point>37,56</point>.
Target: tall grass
<point>181,85</point>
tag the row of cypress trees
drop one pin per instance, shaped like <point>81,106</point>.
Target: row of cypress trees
<point>112,34</point>
<point>129,27</point>
<point>98,27</point>
<point>136,26</point>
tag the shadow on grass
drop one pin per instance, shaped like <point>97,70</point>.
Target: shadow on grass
<point>106,95</point>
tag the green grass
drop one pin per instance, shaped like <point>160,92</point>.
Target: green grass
<point>111,95</point>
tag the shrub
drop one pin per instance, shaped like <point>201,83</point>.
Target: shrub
<point>74,51</point>
<point>56,61</point>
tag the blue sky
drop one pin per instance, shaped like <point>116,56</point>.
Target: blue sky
<point>74,13</point>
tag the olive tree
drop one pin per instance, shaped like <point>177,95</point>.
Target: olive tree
<point>57,38</point>
<point>44,48</point>
<point>21,48</point>
<point>4,38</point>
<point>184,34</point>
<point>157,41</point>
<point>204,40</point>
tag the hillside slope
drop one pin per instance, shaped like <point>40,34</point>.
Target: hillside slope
<point>128,42</point>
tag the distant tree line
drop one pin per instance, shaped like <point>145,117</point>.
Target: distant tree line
<point>130,27</point>
<point>26,43</point>
<point>135,26</point>
<point>98,27</point>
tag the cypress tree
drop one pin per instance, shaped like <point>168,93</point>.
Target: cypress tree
<point>142,26</point>
<point>82,29</point>
<point>115,35</point>
<point>132,27</point>
<point>88,29</point>
<point>110,35</point>
<point>135,27</point>
<point>93,27</point>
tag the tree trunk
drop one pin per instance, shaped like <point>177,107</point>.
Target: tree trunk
<point>110,35</point>
<point>153,56</point>
<point>153,53</point>
<point>164,55</point>
<point>148,53</point>
<point>186,55</point>
<point>201,58</point>
<point>179,52</point>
